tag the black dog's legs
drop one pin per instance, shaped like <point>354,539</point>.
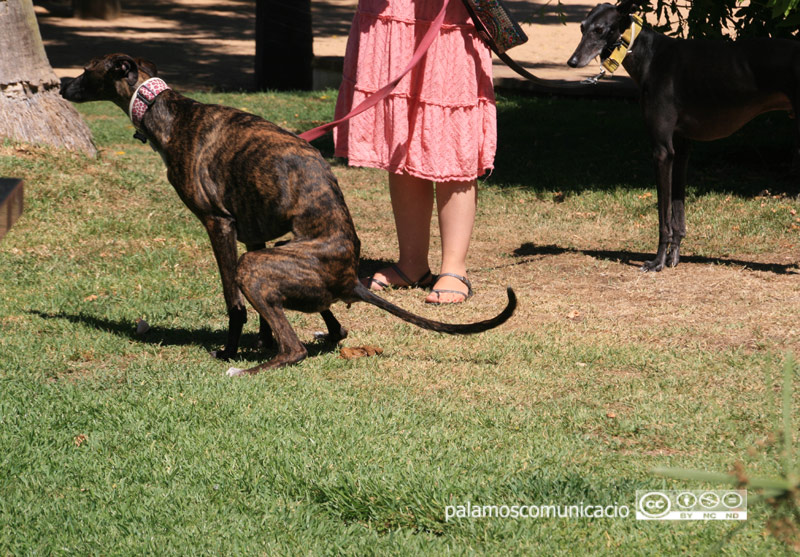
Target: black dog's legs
<point>664,157</point>
<point>223,241</point>
<point>678,217</point>
<point>661,122</point>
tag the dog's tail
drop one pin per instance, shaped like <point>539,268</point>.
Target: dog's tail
<point>366,295</point>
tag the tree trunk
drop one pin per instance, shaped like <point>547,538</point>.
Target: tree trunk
<point>31,107</point>
<point>96,9</point>
<point>284,45</point>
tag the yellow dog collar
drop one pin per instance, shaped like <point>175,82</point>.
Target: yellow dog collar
<point>625,44</point>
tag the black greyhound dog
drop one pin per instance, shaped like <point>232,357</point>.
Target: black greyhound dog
<point>689,90</point>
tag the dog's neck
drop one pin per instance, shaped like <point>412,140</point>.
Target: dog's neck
<point>143,98</point>
<point>624,45</point>
<point>638,65</point>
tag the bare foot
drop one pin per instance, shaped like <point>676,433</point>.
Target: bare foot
<point>394,277</point>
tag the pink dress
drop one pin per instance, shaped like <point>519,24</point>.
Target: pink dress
<point>439,123</point>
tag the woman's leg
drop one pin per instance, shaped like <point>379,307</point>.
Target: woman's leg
<point>457,204</point>
<point>412,205</point>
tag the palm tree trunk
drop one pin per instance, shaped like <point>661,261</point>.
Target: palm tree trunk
<point>31,108</point>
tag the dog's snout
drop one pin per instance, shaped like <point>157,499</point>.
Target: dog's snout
<point>65,85</point>
<point>71,89</point>
<point>573,62</point>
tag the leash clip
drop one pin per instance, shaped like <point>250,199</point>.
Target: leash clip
<point>595,78</point>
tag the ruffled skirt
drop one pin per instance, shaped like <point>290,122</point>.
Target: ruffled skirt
<point>439,123</point>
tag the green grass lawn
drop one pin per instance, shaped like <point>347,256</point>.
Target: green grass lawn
<point>118,443</point>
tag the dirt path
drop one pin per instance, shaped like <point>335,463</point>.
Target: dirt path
<point>199,44</point>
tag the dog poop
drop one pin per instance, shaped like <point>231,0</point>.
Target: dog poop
<point>360,352</point>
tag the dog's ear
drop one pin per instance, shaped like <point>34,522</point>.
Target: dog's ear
<point>126,68</point>
<point>147,67</point>
<point>627,6</point>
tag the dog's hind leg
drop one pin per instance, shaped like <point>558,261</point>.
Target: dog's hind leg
<point>335,330</point>
<point>288,276</point>
<point>290,349</point>
<point>678,216</point>
<point>265,338</point>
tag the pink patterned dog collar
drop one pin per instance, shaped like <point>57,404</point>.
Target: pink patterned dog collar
<point>143,97</point>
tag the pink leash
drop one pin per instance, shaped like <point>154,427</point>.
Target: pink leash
<point>384,91</point>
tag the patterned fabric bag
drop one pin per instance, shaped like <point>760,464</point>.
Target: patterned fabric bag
<point>495,25</point>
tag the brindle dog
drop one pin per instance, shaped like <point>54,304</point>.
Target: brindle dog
<point>247,179</point>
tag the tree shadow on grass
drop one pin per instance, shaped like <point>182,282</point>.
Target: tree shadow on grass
<point>636,259</point>
<point>178,336</point>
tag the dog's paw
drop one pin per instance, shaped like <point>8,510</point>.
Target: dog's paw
<point>234,372</point>
<point>334,338</point>
<point>652,266</point>
<point>221,355</point>
<point>673,257</point>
